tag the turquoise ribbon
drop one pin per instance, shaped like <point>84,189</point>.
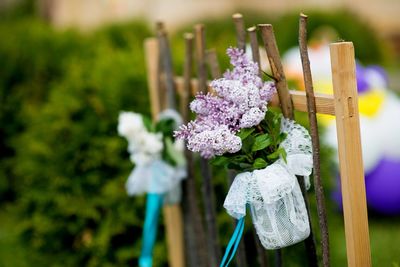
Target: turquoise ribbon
<point>153,206</point>
<point>233,243</point>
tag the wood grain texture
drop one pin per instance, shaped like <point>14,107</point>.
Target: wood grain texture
<point>350,156</point>
<point>172,213</point>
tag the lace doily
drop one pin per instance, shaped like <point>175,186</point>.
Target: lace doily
<point>273,194</point>
<point>155,177</point>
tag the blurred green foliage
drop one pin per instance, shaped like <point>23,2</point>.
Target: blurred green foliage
<point>62,165</point>
<point>61,158</point>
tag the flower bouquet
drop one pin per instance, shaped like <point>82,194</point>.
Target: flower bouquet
<point>159,161</point>
<point>234,128</point>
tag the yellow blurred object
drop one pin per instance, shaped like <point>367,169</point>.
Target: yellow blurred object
<point>370,103</point>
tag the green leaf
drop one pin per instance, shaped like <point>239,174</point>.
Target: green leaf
<point>172,154</point>
<point>260,163</point>
<point>275,155</point>
<point>282,137</point>
<point>234,166</point>
<point>245,132</point>
<point>220,161</point>
<point>261,142</point>
<point>245,166</point>
<point>247,144</point>
<point>283,154</point>
<point>148,124</point>
<point>165,126</point>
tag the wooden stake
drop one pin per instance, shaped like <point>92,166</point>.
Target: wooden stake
<point>267,33</point>
<point>214,251</point>
<point>166,63</point>
<point>240,31</point>
<point>255,50</point>
<point>195,233</point>
<point>172,213</point>
<point>312,116</point>
<point>285,100</point>
<point>212,60</point>
<point>350,156</point>
<point>201,57</point>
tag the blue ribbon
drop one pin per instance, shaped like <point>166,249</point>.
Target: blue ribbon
<point>153,206</point>
<point>233,243</point>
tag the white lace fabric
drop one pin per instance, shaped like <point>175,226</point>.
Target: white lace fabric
<point>273,194</point>
<point>155,177</point>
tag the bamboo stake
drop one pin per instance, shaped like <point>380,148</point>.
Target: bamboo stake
<point>166,63</point>
<point>172,213</point>
<point>255,50</point>
<point>212,60</point>
<point>319,190</point>
<point>208,192</point>
<point>350,156</point>
<point>271,48</point>
<point>240,31</point>
<point>195,234</point>
<point>200,57</point>
<point>268,37</point>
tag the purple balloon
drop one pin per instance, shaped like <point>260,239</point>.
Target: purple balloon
<point>382,188</point>
<point>362,83</point>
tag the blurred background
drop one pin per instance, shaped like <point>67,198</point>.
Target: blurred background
<point>67,67</point>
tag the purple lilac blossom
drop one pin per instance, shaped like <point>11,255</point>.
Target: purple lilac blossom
<point>239,101</point>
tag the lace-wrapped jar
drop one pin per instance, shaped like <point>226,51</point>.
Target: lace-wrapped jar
<point>273,194</point>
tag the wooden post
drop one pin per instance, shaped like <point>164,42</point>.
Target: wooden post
<point>312,116</point>
<point>268,36</point>
<point>350,157</point>
<point>173,212</point>
<point>214,252</point>
<point>240,31</point>
<point>255,50</point>
<point>196,245</point>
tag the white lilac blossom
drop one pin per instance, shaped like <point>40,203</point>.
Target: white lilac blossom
<point>143,146</point>
<point>239,101</point>
<point>129,124</point>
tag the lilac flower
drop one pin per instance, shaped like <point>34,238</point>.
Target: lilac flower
<point>215,142</point>
<point>239,101</point>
